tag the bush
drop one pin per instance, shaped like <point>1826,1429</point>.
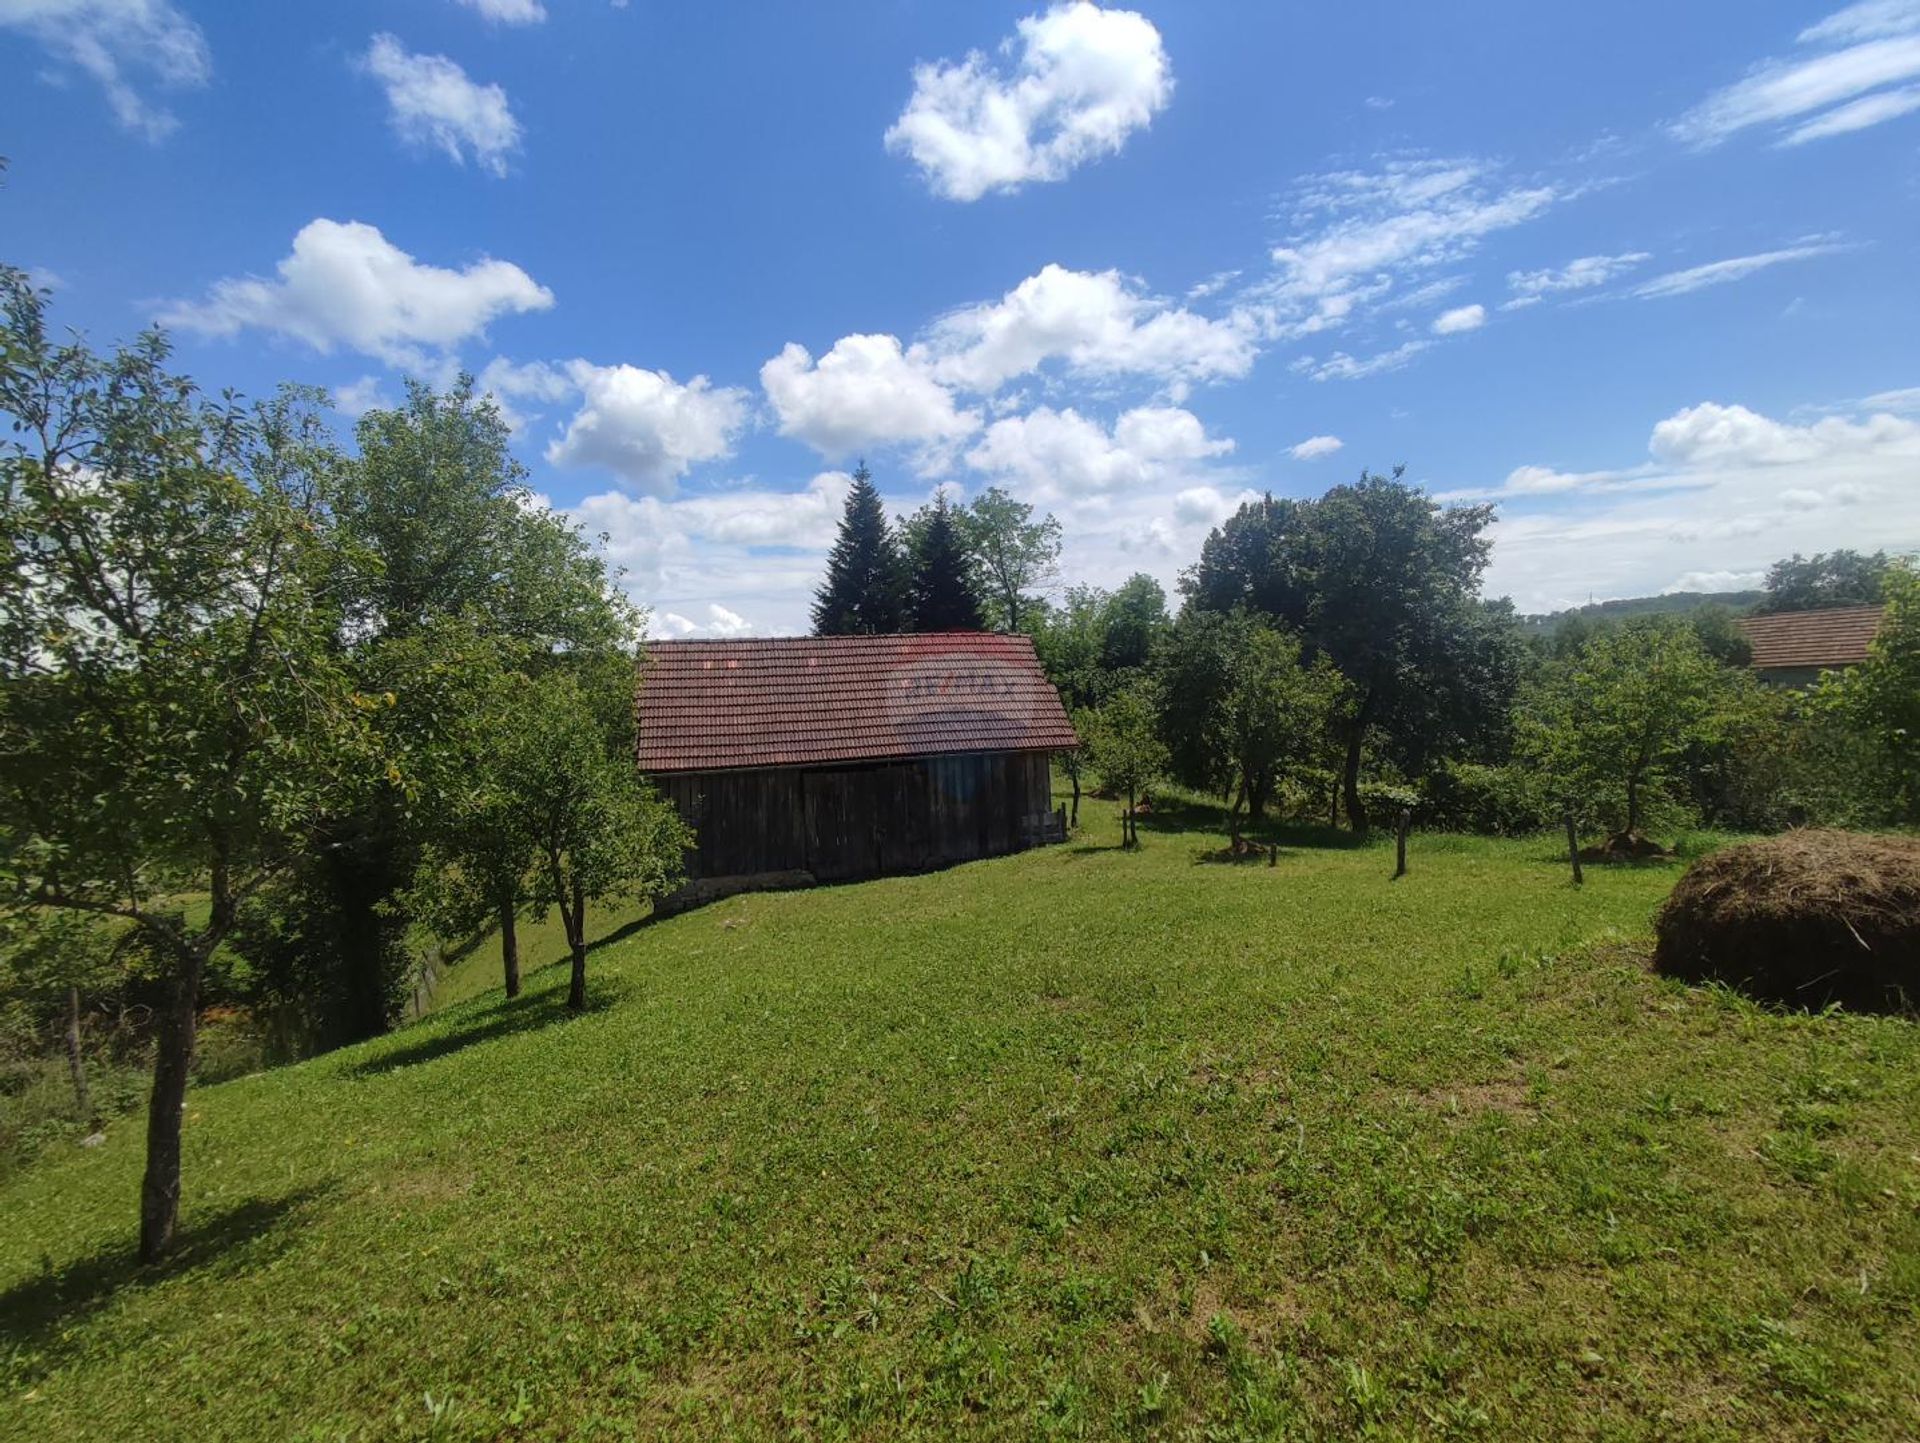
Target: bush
<point>1805,919</point>
<point>1507,801</point>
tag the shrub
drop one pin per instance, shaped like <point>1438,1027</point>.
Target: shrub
<point>1504,801</point>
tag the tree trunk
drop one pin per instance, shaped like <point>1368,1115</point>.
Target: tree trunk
<point>172,1061</point>
<point>510,948</point>
<point>1129,829</point>
<point>76,1064</point>
<point>577,941</point>
<point>1074,777</point>
<point>1350,780</point>
<point>1633,802</point>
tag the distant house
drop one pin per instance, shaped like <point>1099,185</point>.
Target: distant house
<point>1792,648</point>
<point>824,759</point>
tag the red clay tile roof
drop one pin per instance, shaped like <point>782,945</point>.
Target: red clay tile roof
<point>801,701</point>
<point>1838,637</point>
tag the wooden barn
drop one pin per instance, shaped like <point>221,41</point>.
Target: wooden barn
<point>825,759</point>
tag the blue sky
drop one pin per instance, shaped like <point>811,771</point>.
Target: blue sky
<point>1644,274</point>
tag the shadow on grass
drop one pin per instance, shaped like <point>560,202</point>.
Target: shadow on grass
<point>38,1316</point>
<point>526,1013</point>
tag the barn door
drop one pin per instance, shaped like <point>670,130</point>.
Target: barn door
<point>840,816</point>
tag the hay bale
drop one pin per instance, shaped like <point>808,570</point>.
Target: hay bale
<point>1808,918</point>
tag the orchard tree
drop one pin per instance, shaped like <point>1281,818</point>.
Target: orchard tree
<point>1611,725</point>
<point>174,712</point>
<point>1880,699</point>
<point>1125,749</point>
<point>597,830</point>
<point>457,568</point>
<point>1013,553</point>
<point>1273,717</point>
<point>864,593</point>
<point>940,587</point>
<point>1384,582</point>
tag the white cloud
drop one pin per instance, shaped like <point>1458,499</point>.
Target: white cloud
<point>1712,581</point>
<point>1728,491</point>
<point>715,559</point>
<point>1906,399</point>
<point>1359,234</point>
<point>1736,268</point>
<point>1207,506</point>
<point>1856,115</point>
<point>1314,447</point>
<point>1054,454</point>
<point>509,12</point>
<point>866,391</point>
<point>1576,275</point>
<point>1083,81</point>
<point>645,426</point>
<point>433,104</point>
<point>1460,318</point>
<point>1095,321</point>
<point>345,284</point>
<point>356,398</point>
<point>720,622</point>
<point>1710,435</point>
<point>1881,41</point>
<point>1342,367</point>
<point>114,41</point>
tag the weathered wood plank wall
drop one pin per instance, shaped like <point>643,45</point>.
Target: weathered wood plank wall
<point>841,823</point>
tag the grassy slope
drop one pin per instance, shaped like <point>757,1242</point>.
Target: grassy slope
<point>1074,1143</point>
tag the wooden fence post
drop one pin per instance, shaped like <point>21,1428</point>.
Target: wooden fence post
<point>1573,848</point>
<point>1400,860</point>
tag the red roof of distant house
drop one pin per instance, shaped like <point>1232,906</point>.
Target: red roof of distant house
<point>808,701</point>
<point>1838,637</point>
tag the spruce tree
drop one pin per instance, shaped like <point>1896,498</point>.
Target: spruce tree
<point>941,595</point>
<point>863,594</point>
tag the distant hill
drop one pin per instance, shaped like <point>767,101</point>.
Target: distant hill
<point>1645,606</point>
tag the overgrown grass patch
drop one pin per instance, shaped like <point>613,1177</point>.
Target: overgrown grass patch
<point>1080,1143</point>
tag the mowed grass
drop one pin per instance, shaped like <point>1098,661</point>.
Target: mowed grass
<point>1071,1144</point>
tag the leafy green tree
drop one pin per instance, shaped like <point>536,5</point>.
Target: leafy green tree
<point>1826,579</point>
<point>1880,699</point>
<point>1067,640</point>
<point>1135,618</point>
<point>865,591</point>
<point>1013,553</point>
<point>597,829</point>
<point>173,709</point>
<point>940,590</point>
<point>1384,582</point>
<point>1125,749</point>
<point>458,568</point>
<point>1273,717</point>
<point>1612,725</point>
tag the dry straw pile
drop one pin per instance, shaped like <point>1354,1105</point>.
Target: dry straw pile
<point>1808,918</point>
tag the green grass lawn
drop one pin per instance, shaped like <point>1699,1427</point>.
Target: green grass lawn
<point>1077,1143</point>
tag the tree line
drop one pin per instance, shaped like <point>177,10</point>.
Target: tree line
<point>1334,658</point>
<point>271,707</point>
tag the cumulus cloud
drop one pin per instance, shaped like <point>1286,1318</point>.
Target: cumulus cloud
<point>509,12</point>
<point>644,426</point>
<point>1529,287</point>
<point>1052,454</point>
<point>1360,234</point>
<point>345,284</point>
<point>1314,447</point>
<point>1735,268</point>
<point>1460,318</point>
<point>1081,80</point>
<point>1097,322</point>
<point>119,43</point>
<point>866,391</point>
<point>1843,88</point>
<point>431,103</point>
<point>751,551</point>
<point>720,623</point>
<point>1728,490</point>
